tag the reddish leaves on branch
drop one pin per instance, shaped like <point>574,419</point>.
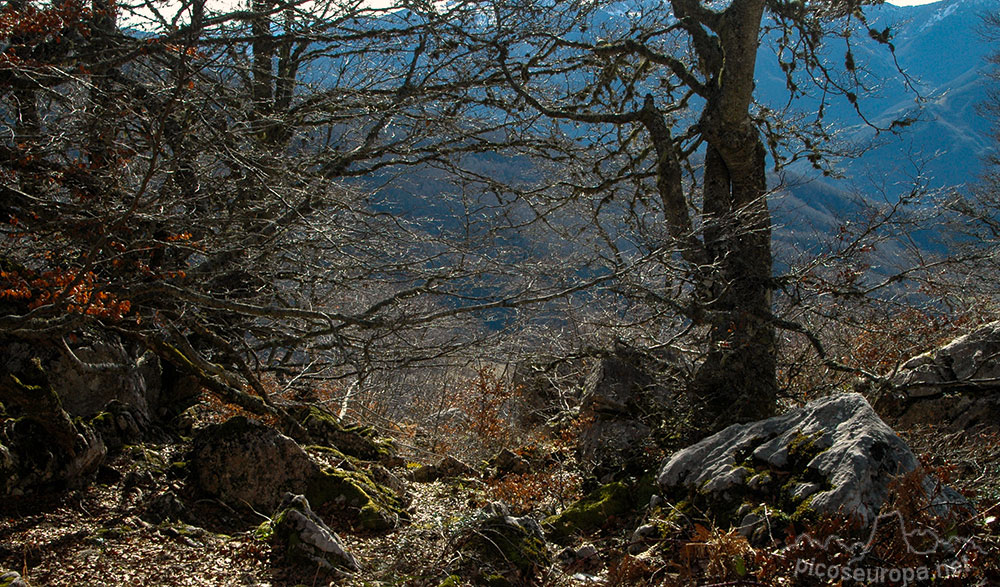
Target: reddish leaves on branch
<point>80,296</point>
<point>26,27</point>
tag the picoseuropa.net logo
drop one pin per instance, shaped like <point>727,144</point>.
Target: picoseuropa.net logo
<point>939,557</point>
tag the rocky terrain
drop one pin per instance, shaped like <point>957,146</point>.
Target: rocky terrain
<point>213,496</point>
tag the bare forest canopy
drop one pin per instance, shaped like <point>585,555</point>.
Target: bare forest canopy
<point>281,194</point>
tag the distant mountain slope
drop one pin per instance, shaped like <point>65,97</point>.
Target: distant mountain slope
<point>939,47</point>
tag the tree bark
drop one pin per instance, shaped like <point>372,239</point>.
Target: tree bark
<point>737,381</point>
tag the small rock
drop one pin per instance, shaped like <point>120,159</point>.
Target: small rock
<point>164,507</point>
<point>749,523</point>
<point>507,462</point>
<point>642,538</point>
<point>448,468</point>
<point>313,540</point>
<point>12,579</point>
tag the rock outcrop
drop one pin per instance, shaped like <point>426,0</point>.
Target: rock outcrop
<point>956,386</point>
<point>833,456</point>
<point>624,400</point>
<point>303,536</point>
<point>245,463</point>
<point>91,373</point>
<point>43,448</point>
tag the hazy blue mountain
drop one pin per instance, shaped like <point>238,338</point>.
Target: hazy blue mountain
<point>939,47</point>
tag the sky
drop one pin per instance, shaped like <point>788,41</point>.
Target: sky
<point>910,2</point>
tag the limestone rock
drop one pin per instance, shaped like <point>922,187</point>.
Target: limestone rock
<point>582,557</point>
<point>833,456</point>
<point>360,442</point>
<point>12,579</point>
<point>972,358</point>
<point>447,468</point>
<point>101,369</point>
<point>246,463</point>
<point>118,425</point>
<point>955,387</point>
<point>357,498</point>
<point>305,537</point>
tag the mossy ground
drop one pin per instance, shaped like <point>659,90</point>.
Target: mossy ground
<point>593,512</point>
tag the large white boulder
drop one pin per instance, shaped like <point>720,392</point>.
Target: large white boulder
<point>834,452</point>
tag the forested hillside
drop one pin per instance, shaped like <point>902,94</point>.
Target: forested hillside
<point>499,292</point>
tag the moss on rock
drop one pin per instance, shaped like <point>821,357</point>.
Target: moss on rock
<point>591,512</point>
<point>508,550</point>
<point>370,505</point>
<point>361,442</point>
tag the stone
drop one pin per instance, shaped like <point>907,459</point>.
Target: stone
<point>306,538</point>
<point>627,395</point>
<point>246,463</point>
<point>12,579</point>
<point>325,428</point>
<point>507,462</point>
<point>357,499</point>
<point>30,462</point>
<point>749,523</point>
<point>973,358</point>
<point>953,387</point>
<point>100,369</point>
<point>164,507</point>
<point>592,512</point>
<point>447,468</point>
<point>833,456</point>
<point>510,547</point>
<point>118,425</point>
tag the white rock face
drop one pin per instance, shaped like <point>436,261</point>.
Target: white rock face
<point>855,455</point>
<point>973,359</point>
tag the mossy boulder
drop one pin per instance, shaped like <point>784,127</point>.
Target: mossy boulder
<point>361,442</point>
<point>506,550</point>
<point>366,504</point>
<point>592,512</point>
<point>833,455</point>
<point>245,463</point>
<point>12,579</point>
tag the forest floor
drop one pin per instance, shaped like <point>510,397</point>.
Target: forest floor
<point>108,533</point>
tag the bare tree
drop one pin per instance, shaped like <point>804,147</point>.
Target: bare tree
<point>653,113</point>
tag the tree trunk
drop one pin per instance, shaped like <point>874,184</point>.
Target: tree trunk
<point>737,381</point>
